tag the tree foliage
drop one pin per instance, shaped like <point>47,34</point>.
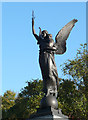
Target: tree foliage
<point>71,99</point>
<point>26,102</point>
<point>78,67</point>
<point>8,101</point>
<point>78,70</point>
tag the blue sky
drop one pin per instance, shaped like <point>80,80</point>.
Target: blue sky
<point>19,47</point>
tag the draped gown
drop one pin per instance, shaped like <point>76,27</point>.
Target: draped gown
<point>48,66</point>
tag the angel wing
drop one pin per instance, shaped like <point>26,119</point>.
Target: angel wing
<point>62,36</point>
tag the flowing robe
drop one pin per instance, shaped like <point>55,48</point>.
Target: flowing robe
<point>48,66</point>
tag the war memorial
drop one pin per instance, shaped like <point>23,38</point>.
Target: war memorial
<point>49,105</point>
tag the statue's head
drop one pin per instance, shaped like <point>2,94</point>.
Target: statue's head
<point>44,33</point>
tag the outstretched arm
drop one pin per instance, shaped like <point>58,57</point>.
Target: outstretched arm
<point>33,30</point>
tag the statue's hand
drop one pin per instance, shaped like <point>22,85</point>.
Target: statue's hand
<point>39,28</point>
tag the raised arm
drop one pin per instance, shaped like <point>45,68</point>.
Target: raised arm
<point>40,32</point>
<point>33,30</point>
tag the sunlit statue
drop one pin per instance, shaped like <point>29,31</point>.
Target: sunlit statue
<point>46,55</point>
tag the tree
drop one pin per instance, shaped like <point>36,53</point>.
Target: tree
<point>71,99</point>
<point>78,70</point>
<point>8,101</point>
<point>32,94</point>
<point>27,101</point>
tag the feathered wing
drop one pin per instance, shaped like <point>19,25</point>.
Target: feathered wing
<point>62,36</point>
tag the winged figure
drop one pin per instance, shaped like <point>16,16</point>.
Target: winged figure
<point>46,55</point>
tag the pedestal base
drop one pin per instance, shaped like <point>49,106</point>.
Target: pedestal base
<point>48,113</point>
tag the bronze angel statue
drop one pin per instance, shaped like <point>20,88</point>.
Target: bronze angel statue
<point>46,54</point>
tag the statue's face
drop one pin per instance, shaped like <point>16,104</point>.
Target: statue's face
<point>44,33</point>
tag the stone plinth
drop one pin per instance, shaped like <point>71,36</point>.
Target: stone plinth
<point>48,113</point>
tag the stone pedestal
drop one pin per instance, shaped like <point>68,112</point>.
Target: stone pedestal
<point>48,113</point>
